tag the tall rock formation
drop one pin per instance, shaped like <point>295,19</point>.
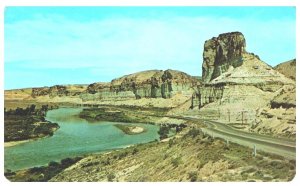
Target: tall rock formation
<point>237,84</point>
<point>222,52</point>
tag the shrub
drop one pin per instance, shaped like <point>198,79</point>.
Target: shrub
<point>176,161</point>
<point>193,176</point>
<point>123,154</point>
<point>193,132</point>
<point>111,176</point>
<point>8,172</point>
<point>53,164</point>
<point>171,142</point>
<point>163,132</point>
<point>134,151</point>
<point>36,169</point>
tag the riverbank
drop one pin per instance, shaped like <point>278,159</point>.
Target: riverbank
<point>27,123</point>
<point>130,129</point>
<point>19,129</point>
<point>14,143</point>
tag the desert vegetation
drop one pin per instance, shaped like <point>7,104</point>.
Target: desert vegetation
<point>27,123</point>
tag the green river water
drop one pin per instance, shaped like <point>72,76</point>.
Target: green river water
<point>75,137</point>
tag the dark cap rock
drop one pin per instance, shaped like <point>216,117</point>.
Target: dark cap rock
<point>222,52</point>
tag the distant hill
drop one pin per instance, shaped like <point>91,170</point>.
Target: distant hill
<point>287,68</point>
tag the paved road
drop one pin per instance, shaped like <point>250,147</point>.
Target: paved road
<point>280,146</point>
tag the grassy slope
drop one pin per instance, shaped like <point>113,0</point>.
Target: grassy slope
<point>186,158</point>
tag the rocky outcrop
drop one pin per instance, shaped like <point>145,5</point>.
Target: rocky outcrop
<point>146,84</point>
<point>43,91</point>
<point>287,68</point>
<point>222,52</point>
<point>58,90</point>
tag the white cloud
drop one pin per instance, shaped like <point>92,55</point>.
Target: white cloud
<point>127,45</point>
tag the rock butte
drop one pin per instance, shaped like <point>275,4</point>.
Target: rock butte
<point>238,86</point>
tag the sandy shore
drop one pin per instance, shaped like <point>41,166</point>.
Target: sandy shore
<point>136,129</point>
<point>13,143</point>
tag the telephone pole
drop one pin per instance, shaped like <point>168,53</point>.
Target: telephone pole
<point>243,117</point>
<point>228,111</point>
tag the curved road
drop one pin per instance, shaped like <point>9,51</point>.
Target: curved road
<point>280,146</point>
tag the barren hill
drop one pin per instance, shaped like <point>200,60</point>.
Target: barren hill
<point>287,68</point>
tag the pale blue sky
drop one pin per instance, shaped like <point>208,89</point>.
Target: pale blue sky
<point>45,46</point>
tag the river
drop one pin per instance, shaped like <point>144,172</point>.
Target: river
<point>76,137</point>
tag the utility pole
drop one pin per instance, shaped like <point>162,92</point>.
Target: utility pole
<point>228,111</point>
<point>242,117</point>
<point>254,150</point>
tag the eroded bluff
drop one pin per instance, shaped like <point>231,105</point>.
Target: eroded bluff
<point>146,84</point>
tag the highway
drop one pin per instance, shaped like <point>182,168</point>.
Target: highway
<point>280,146</point>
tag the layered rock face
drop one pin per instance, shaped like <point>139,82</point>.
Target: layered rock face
<point>146,84</point>
<point>222,52</point>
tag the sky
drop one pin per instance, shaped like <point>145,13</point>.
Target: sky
<point>46,46</point>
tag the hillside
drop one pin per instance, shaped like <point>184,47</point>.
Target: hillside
<point>192,157</point>
<point>287,68</point>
